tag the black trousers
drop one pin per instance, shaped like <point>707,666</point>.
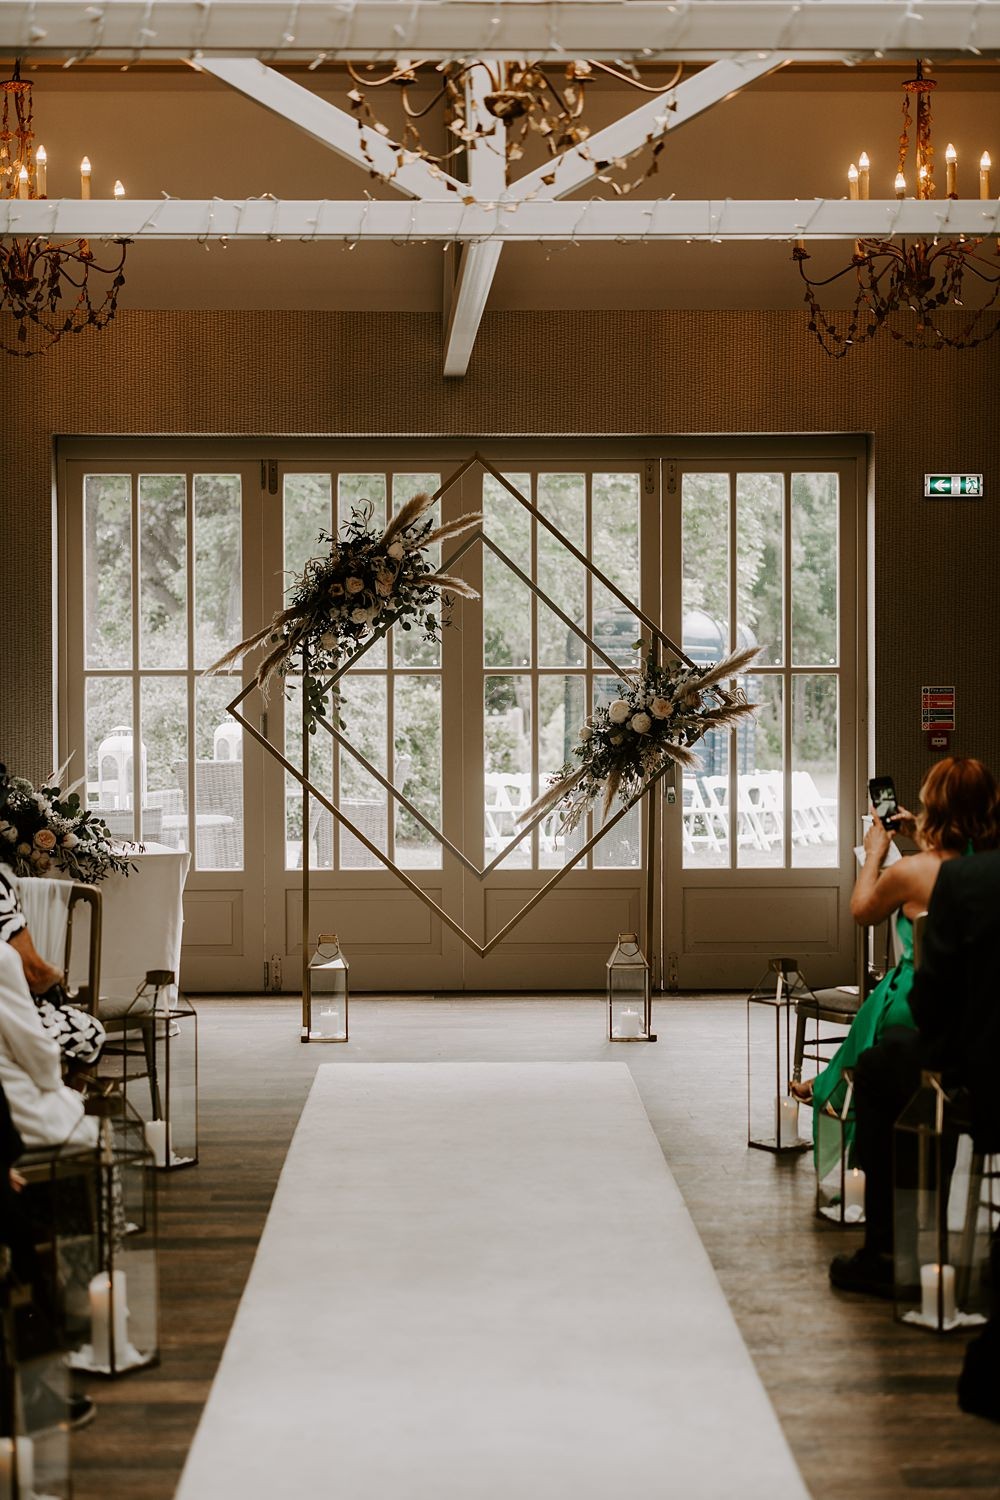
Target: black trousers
<point>885,1079</point>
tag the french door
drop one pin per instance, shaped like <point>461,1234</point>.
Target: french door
<point>171,552</point>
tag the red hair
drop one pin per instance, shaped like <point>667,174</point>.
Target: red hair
<point>961,806</point>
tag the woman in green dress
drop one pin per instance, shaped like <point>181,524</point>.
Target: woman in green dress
<point>960,814</point>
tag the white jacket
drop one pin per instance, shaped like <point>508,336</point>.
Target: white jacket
<point>44,1110</point>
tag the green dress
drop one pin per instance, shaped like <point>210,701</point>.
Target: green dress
<point>887,1005</point>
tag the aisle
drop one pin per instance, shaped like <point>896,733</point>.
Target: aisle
<point>478,1281</point>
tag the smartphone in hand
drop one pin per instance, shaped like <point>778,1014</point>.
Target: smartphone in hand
<point>883,795</point>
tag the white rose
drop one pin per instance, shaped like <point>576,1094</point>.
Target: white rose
<point>328,640</point>
<point>70,841</point>
<point>661,708</point>
<point>641,723</point>
<point>618,711</point>
<point>586,733</point>
<point>396,550</point>
<point>8,831</point>
<point>359,616</point>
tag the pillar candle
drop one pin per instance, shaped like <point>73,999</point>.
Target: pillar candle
<point>25,1466</point>
<point>786,1119</point>
<point>108,1310</point>
<point>930,1277</point>
<point>159,1141</point>
<point>854,1193</point>
<point>629,1023</point>
<point>330,1018</point>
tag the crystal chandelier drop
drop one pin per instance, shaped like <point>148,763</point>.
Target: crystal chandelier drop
<point>48,289</point>
<point>918,278</point>
<point>525,98</point>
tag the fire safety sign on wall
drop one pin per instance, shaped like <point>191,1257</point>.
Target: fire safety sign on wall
<point>937,708</point>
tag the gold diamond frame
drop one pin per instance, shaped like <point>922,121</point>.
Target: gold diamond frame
<point>658,639</point>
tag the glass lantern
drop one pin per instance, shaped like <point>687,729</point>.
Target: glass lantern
<point>840,1185</point>
<point>630,1001</point>
<point>155,1044</point>
<point>122,1294</point>
<point>772,1112</point>
<point>34,1394</point>
<point>325,992</point>
<point>945,1209</point>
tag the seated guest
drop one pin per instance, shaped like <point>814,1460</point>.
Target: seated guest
<point>960,812</point>
<point>44,1111</point>
<point>79,1035</point>
<point>887,1075</point>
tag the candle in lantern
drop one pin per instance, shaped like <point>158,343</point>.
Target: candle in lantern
<point>22,182</point>
<point>119,188</point>
<point>786,1119</point>
<point>951,170</point>
<point>900,185</point>
<point>159,1142</point>
<point>108,1312</point>
<point>41,172</point>
<point>85,177</point>
<point>25,1451</point>
<point>863,169</point>
<point>629,1023</point>
<point>932,1279</point>
<point>984,174</point>
<point>852,181</point>
<point>854,1194</point>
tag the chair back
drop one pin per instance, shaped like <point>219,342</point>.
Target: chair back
<point>919,923</point>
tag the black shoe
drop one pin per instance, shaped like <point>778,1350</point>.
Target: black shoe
<point>45,1409</point>
<point>979,1382</point>
<point>865,1271</point>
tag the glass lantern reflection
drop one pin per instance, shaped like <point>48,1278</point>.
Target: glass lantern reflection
<point>946,1205</point>
<point>840,1182</point>
<point>630,1001</point>
<point>34,1400</point>
<point>325,992</point>
<point>122,1294</point>
<point>772,1112</point>
<point>153,1053</point>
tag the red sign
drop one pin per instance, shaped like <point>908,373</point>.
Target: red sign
<point>937,708</point>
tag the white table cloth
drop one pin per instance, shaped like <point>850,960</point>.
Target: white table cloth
<point>143,922</point>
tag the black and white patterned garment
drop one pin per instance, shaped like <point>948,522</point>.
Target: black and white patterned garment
<point>78,1035</point>
<point>12,918</point>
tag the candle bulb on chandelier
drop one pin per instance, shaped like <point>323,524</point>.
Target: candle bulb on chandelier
<point>984,174</point>
<point>119,188</point>
<point>951,170</point>
<point>85,177</point>
<point>41,168</point>
<point>852,182</point>
<point>863,168</point>
<point>923,182</point>
<point>900,185</point>
<point>22,183</point>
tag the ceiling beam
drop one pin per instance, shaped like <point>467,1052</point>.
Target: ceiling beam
<point>331,126</point>
<point>714,84</point>
<point>596,219</point>
<point>692,30</point>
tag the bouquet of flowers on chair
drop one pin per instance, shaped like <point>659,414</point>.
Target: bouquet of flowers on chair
<point>661,713</point>
<point>44,831</point>
<point>368,580</point>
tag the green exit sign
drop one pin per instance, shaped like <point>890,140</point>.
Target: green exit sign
<point>952,484</point>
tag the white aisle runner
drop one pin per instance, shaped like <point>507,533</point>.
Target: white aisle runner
<point>478,1281</point>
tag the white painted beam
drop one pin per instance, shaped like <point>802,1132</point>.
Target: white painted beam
<point>327,124</point>
<point>596,219</point>
<point>682,29</point>
<point>487,171</point>
<point>573,169</point>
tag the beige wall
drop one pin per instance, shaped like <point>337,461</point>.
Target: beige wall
<point>937,605</point>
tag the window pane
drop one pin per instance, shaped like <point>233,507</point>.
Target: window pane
<point>362,798</point>
<point>814,771</point>
<point>110,767</point>
<point>705,818</point>
<point>307,512</point>
<point>218,566</point>
<point>621,849</point>
<point>760,564</point>
<point>218,776</point>
<point>759,779</point>
<point>507,765</point>
<point>705,566</point>
<point>506,615</point>
<point>562,707</point>
<point>409,649</point>
<point>615,550</point>
<point>417,768</point>
<point>165,748</point>
<point>107,569</point>
<point>562,499</point>
<point>321,821</point>
<point>814,569</point>
<point>505,519</point>
<point>163,570</point>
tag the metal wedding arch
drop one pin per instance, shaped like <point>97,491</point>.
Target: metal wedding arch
<point>301,775</point>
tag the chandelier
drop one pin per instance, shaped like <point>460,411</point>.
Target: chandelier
<point>526,98</point>
<point>918,278</point>
<point>49,289</point>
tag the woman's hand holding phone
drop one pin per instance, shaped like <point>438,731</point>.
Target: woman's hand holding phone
<point>878,838</point>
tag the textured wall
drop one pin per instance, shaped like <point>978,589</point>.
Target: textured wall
<point>937,608</point>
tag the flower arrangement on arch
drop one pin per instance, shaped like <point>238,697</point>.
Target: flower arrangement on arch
<point>661,713</point>
<point>367,581</point>
<point>45,831</point>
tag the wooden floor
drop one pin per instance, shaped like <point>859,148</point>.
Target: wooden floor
<point>868,1406</point>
